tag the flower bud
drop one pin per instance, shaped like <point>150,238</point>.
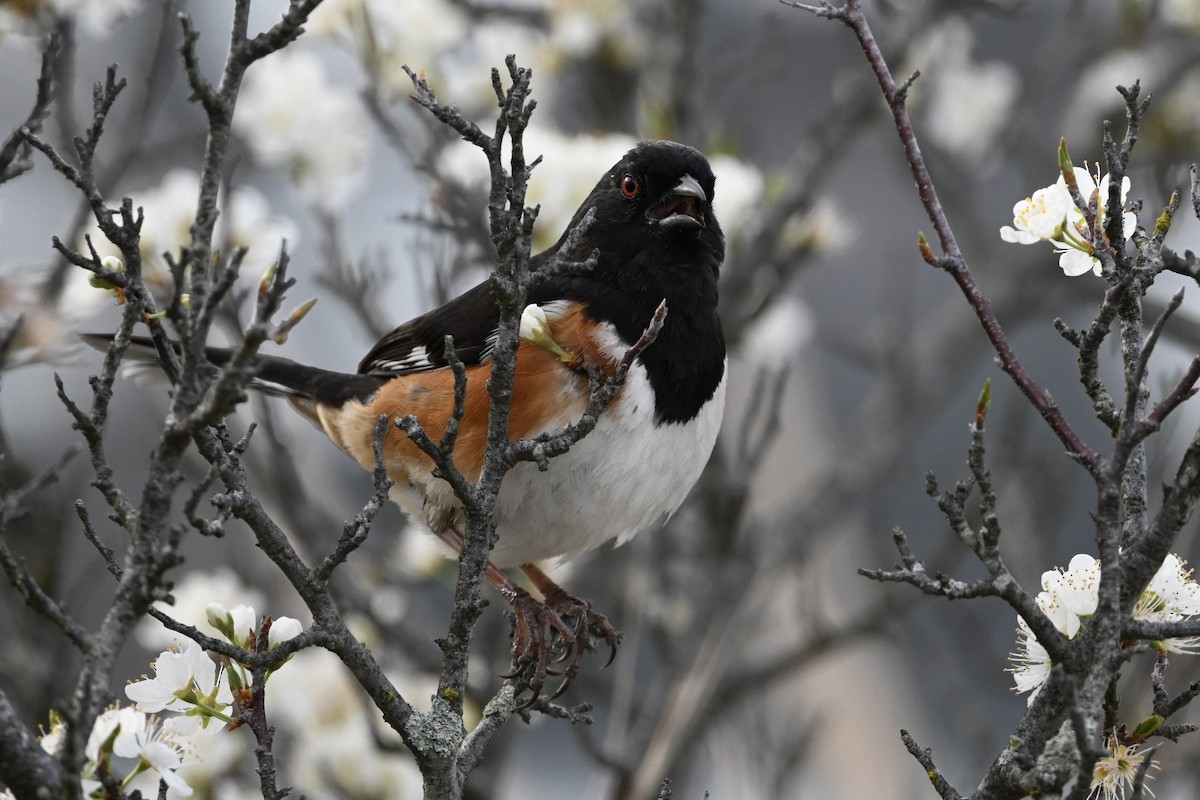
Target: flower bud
<point>282,629</point>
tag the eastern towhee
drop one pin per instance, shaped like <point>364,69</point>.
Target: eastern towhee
<point>656,238</point>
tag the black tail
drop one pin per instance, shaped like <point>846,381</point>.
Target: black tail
<point>272,375</point>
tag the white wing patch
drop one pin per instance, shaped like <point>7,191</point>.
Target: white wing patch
<point>414,360</point>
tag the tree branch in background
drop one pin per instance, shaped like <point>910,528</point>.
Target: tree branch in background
<point>1087,663</point>
<point>15,151</point>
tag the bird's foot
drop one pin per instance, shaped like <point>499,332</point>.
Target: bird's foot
<point>538,652</point>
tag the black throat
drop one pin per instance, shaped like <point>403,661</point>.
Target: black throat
<point>686,363</point>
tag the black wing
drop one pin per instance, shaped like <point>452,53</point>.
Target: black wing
<point>419,344</point>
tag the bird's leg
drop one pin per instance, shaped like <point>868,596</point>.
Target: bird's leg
<point>536,622</point>
<point>588,623</point>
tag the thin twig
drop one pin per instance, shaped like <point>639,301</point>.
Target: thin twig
<point>953,262</point>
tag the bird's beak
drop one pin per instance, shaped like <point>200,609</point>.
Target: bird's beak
<point>681,208</point>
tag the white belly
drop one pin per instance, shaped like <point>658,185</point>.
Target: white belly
<point>623,477</point>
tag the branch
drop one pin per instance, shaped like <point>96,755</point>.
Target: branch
<point>20,577</point>
<point>14,153</point>
<point>953,262</point>
<point>25,768</point>
<point>925,758</point>
<point>354,533</point>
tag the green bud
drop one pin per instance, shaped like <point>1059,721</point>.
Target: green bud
<point>1147,726</point>
<point>985,400</point>
<point>1064,162</point>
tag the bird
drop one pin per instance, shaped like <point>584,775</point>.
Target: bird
<point>655,238</point>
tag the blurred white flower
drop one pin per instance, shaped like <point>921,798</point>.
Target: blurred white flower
<point>419,554</point>
<point>32,17</point>
<point>98,16</point>
<point>1095,96</point>
<point>582,29</point>
<point>193,594</point>
<point>969,106</point>
<point>966,102</point>
<point>136,735</point>
<point>169,209</point>
<point>463,71</point>
<point>389,604</point>
<point>823,226</point>
<point>44,334</point>
<point>294,119</point>
<point>456,50</point>
<point>784,328</point>
<point>335,752</point>
<point>386,35</point>
<point>1184,13</point>
<point>737,195</point>
<point>570,167</point>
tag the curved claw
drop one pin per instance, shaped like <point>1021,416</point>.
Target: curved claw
<point>534,641</point>
<point>537,650</point>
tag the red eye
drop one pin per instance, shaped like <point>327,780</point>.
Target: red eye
<point>630,186</point>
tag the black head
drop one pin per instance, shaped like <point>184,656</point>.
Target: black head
<point>659,195</point>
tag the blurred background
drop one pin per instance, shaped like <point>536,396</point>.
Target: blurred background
<point>756,661</point>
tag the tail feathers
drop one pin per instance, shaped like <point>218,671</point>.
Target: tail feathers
<point>272,375</point>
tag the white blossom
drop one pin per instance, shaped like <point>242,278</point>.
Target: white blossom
<point>98,16</point>
<point>1184,13</point>
<point>169,210</point>
<point>294,119</point>
<point>186,681</point>
<point>1039,217</point>
<point>1051,215</point>
<point>1031,663</point>
<point>569,170</point>
<point>1070,596</point>
<point>139,736</point>
<point>588,30</point>
<point>966,101</point>
<point>282,629</point>
<point>1114,774</point>
<point>386,35</point>
<point>33,17</point>
<point>238,624</point>
<point>1069,599</point>
<point>533,323</point>
<point>1171,596</point>
<point>335,751</point>
<point>786,326</point>
<point>193,594</point>
<point>738,194</point>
